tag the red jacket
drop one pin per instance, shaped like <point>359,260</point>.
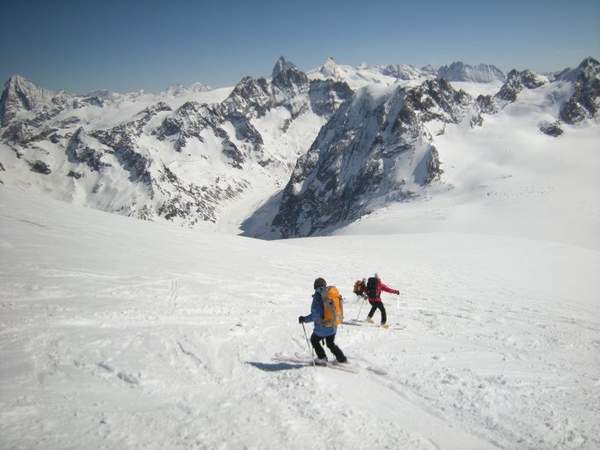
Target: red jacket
<point>384,288</point>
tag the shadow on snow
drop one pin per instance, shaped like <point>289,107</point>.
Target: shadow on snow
<point>275,366</point>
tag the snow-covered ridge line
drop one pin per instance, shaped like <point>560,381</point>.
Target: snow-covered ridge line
<point>380,147</point>
<point>218,155</point>
<point>182,157</point>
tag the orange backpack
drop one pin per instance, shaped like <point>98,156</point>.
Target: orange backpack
<point>333,309</point>
<point>359,288</point>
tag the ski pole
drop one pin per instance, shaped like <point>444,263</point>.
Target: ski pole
<point>360,309</point>
<point>312,356</point>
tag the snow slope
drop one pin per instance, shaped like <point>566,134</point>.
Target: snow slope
<point>117,333</point>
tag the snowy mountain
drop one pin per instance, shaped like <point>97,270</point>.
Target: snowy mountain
<point>375,149</point>
<point>481,73</point>
<point>21,98</point>
<point>516,82</point>
<point>382,147</point>
<point>585,100</point>
<point>172,155</point>
<point>294,154</point>
<point>355,77</point>
<point>405,74</point>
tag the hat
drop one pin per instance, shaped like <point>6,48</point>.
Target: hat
<point>319,282</point>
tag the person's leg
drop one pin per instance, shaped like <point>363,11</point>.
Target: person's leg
<point>373,309</point>
<point>339,354</point>
<point>316,343</point>
<point>383,314</point>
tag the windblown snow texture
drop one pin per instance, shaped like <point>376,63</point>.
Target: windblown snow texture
<point>120,333</point>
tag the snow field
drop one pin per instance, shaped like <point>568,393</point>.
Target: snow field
<point>120,333</point>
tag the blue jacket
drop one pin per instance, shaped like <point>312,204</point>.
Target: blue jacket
<point>316,314</point>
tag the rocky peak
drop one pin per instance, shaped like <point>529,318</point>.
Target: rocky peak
<point>281,66</point>
<point>20,94</point>
<point>585,100</point>
<point>286,76</point>
<point>437,99</point>
<point>249,97</point>
<point>588,69</point>
<point>516,81</point>
<point>374,148</point>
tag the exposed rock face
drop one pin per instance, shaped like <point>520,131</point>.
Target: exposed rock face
<point>40,167</point>
<point>22,95</point>
<point>25,109</point>
<point>250,99</point>
<point>437,99</point>
<point>188,121</point>
<point>326,96</point>
<point>585,101</point>
<point>287,77</point>
<point>79,151</point>
<point>486,104</point>
<point>516,81</point>
<point>551,129</point>
<point>481,73</point>
<point>373,149</point>
<point>123,141</point>
<point>189,201</point>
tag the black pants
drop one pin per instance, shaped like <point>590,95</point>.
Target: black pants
<point>330,342</point>
<point>378,306</point>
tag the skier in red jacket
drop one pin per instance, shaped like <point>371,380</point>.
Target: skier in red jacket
<point>373,290</point>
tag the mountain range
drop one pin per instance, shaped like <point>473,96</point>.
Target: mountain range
<point>294,154</point>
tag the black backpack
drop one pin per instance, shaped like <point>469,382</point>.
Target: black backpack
<point>371,289</point>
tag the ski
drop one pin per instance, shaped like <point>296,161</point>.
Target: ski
<point>358,323</point>
<point>296,359</point>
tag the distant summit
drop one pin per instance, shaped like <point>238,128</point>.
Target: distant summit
<point>286,75</point>
<point>402,71</point>
<point>588,68</point>
<point>20,94</point>
<point>481,73</point>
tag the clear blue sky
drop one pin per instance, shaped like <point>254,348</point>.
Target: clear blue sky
<point>124,45</point>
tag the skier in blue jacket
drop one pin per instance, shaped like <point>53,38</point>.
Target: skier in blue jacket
<point>320,331</point>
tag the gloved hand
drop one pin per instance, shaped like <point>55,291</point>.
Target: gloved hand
<point>300,319</point>
<point>397,292</point>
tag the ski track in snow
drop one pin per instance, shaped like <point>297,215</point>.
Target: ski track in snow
<point>123,334</point>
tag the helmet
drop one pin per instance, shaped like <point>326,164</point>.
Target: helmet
<point>319,283</point>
